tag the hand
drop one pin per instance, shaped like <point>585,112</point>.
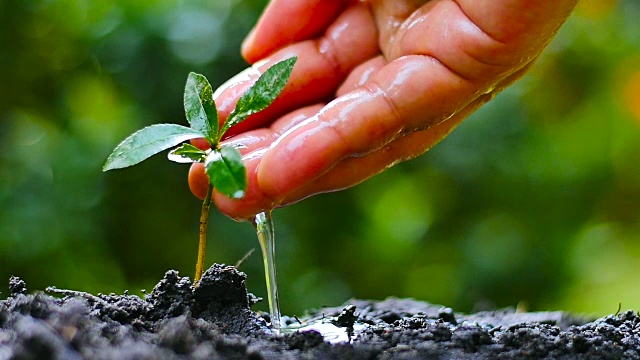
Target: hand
<point>399,74</point>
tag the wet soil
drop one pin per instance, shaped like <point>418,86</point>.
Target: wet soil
<point>214,321</point>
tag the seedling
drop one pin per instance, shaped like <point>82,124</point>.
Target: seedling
<point>223,164</point>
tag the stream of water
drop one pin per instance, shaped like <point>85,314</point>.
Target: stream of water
<point>266,236</point>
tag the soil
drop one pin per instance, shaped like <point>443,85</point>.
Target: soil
<point>214,321</point>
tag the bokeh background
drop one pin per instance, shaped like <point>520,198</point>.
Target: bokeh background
<point>533,201</point>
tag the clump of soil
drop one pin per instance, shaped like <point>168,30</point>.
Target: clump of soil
<point>214,321</point>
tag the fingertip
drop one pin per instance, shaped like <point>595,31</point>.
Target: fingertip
<point>198,180</point>
<point>284,22</point>
<point>247,48</point>
<point>200,143</point>
<point>254,200</point>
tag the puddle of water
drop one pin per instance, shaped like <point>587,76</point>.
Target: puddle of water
<point>330,332</point>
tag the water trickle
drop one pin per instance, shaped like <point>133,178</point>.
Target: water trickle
<point>331,329</point>
<point>264,229</point>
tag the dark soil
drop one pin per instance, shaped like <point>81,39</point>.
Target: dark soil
<point>214,321</point>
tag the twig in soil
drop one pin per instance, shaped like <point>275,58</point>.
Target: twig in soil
<point>90,297</point>
<point>244,258</point>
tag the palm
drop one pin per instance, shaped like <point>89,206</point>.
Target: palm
<point>401,74</point>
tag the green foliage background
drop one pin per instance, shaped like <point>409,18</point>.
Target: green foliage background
<point>534,200</point>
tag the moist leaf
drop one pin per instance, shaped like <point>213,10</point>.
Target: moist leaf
<point>187,153</point>
<point>226,171</point>
<point>199,106</point>
<point>147,142</point>
<point>262,93</point>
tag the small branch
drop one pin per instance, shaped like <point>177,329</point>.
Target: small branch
<point>245,257</point>
<point>72,293</point>
<point>202,244</point>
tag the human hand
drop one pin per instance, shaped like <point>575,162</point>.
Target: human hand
<point>399,74</point>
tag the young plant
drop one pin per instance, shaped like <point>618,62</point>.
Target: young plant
<point>223,164</point>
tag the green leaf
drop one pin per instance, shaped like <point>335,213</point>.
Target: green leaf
<point>261,94</point>
<point>147,142</point>
<point>200,108</point>
<point>227,172</point>
<point>187,153</point>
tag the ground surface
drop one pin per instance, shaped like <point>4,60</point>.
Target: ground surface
<point>214,321</point>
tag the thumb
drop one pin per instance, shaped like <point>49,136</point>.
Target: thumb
<point>287,21</point>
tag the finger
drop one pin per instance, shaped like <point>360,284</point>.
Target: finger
<point>254,200</point>
<point>303,20</point>
<point>322,65</point>
<point>520,23</point>
<point>406,94</point>
<point>354,170</point>
<point>476,40</point>
<point>198,180</point>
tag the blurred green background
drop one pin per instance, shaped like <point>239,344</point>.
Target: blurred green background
<point>534,200</point>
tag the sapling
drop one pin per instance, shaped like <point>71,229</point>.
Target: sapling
<point>223,164</point>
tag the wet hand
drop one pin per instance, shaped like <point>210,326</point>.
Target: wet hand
<point>376,83</point>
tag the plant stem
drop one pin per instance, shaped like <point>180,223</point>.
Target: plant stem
<point>202,244</point>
